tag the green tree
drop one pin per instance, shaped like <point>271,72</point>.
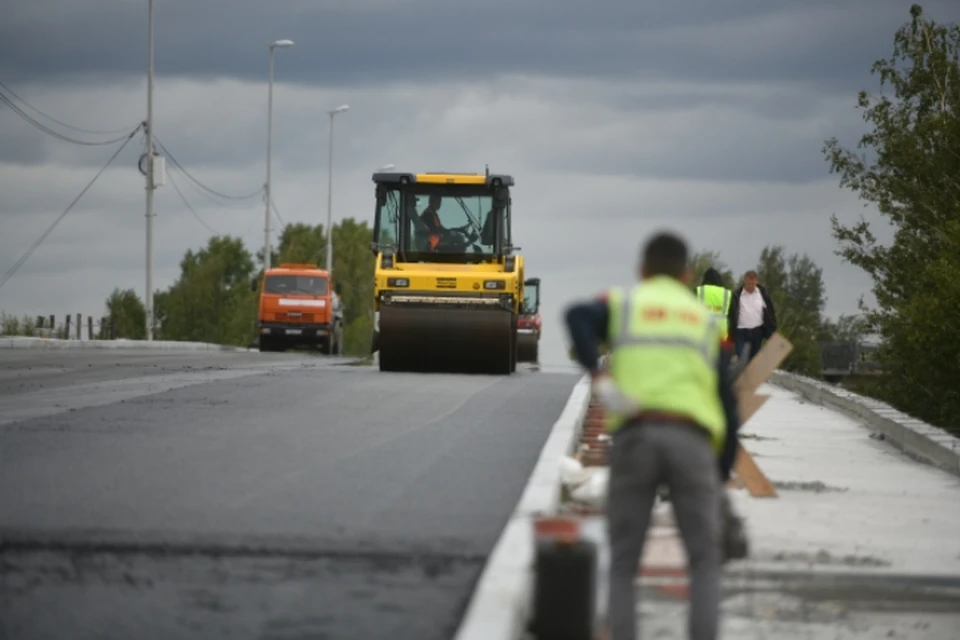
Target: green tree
<point>353,266</point>
<point>910,174</point>
<point>126,312</point>
<point>795,285</point>
<point>211,301</point>
<point>703,260</point>
<point>847,328</point>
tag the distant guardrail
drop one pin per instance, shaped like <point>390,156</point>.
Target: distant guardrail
<point>842,359</point>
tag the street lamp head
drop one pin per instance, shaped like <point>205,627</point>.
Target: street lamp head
<point>340,109</point>
<point>281,43</point>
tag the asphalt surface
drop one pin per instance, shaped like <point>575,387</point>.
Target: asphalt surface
<point>247,495</point>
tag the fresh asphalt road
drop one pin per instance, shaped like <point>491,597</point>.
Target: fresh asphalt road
<point>247,495</point>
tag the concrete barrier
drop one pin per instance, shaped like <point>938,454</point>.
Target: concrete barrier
<point>19,342</point>
<point>500,605</point>
<point>916,438</point>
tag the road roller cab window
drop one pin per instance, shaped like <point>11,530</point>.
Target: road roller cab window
<point>449,223</point>
<point>442,218</point>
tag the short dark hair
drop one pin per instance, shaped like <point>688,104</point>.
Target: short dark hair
<point>665,254</point>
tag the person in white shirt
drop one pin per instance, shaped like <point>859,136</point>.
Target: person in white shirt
<point>751,317</point>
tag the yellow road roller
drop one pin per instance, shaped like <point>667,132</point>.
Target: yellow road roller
<point>528,326</point>
<point>448,282</point>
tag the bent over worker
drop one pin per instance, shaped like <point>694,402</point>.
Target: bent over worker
<point>672,412</point>
<point>716,297</point>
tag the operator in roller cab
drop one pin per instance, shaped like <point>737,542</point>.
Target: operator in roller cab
<point>439,238</point>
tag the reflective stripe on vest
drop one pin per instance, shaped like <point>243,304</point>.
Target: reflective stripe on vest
<point>624,339</point>
<point>677,371</point>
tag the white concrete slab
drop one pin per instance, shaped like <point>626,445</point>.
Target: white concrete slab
<point>845,499</point>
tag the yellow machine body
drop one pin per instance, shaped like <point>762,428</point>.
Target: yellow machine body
<point>448,284</point>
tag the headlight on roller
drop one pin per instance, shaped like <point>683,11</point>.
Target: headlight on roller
<point>494,285</point>
<point>398,282</point>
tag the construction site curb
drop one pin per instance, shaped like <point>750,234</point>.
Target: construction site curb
<point>499,607</point>
<point>917,439</point>
<point>161,345</point>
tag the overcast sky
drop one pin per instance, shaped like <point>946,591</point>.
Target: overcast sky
<point>615,118</point>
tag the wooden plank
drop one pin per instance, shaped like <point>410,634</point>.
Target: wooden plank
<point>773,352</point>
<point>749,405</point>
<point>751,476</point>
<point>757,372</point>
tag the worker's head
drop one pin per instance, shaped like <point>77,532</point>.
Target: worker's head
<point>435,201</point>
<point>665,255</point>
<point>750,281</point>
<point>712,276</point>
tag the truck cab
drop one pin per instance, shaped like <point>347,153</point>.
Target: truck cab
<point>529,323</point>
<point>299,306</point>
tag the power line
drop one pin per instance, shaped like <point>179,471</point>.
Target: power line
<point>273,205</point>
<point>61,123</point>
<point>183,198</point>
<point>42,127</point>
<point>190,177</point>
<point>19,263</point>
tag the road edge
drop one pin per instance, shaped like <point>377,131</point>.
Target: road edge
<point>20,342</point>
<point>499,606</point>
<point>919,440</point>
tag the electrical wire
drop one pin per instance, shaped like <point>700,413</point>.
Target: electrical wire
<point>190,177</point>
<point>19,263</point>
<point>42,127</point>
<point>186,203</point>
<point>273,205</point>
<point>61,123</point>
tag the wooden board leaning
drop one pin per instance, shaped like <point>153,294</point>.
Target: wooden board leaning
<point>747,473</point>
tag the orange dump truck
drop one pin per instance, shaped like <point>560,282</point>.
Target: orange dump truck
<point>299,307</point>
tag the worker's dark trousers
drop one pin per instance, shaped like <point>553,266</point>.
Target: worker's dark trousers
<point>753,337</point>
<point>642,457</point>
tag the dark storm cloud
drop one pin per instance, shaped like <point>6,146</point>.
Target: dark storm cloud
<point>364,41</point>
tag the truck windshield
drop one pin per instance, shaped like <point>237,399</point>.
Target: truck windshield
<point>531,296</point>
<point>296,285</point>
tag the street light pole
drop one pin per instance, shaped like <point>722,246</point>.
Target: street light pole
<point>150,185</point>
<point>332,113</point>
<point>267,192</point>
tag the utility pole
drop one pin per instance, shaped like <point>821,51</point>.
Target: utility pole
<point>266,214</point>
<point>267,191</point>
<point>332,112</point>
<point>150,184</point>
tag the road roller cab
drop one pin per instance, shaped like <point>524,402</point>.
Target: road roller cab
<point>448,283</point>
<point>298,307</point>
<point>528,325</point>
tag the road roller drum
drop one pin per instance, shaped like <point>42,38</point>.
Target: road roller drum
<point>431,339</point>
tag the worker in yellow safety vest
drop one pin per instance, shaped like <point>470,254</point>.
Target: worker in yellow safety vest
<point>716,297</point>
<point>673,415</point>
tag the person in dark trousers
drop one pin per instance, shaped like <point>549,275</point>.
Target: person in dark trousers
<point>751,317</point>
<point>673,415</point>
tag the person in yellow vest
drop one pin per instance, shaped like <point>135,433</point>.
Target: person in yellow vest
<point>673,415</point>
<point>716,297</point>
